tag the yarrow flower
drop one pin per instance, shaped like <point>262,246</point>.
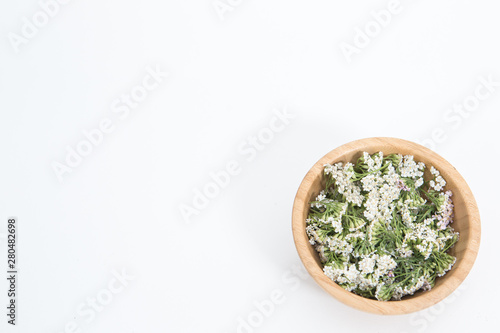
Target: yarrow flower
<point>386,263</point>
<point>438,183</point>
<point>380,229</point>
<point>366,265</point>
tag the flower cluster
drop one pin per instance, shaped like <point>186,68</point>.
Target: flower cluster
<point>380,228</point>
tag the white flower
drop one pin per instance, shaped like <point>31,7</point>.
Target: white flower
<point>409,168</point>
<point>333,273</point>
<point>366,265</point>
<point>378,159</point>
<point>369,161</point>
<point>353,195</point>
<point>386,263</point>
<point>369,183</point>
<point>342,175</point>
<point>336,224</point>
<point>352,274</point>
<point>439,182</point>
<point>340,246</point>
<point>321,196</point>
<point>408,218</point>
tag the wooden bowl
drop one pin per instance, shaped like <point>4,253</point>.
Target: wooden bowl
<point>466,222</point>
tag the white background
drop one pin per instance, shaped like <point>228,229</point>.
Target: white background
<point>119,209</point>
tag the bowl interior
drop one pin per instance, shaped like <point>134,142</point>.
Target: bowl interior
<point>466,222</point>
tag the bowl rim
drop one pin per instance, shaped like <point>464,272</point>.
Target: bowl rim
<point>405,306</point>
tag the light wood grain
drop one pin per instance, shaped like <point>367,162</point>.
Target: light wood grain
<point>467,223</point>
